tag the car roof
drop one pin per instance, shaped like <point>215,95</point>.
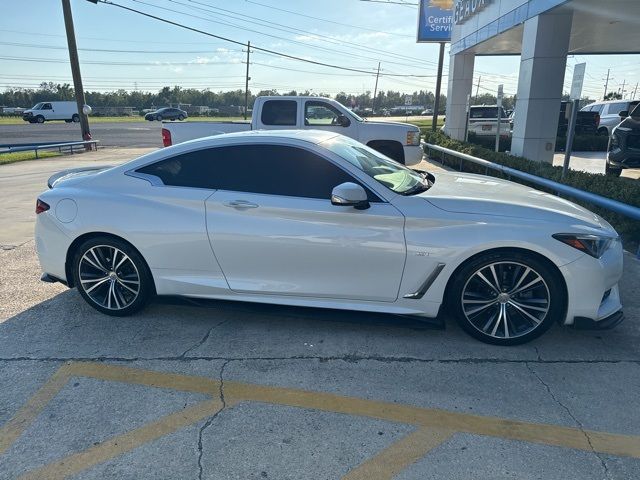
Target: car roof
<point>604,102</point>
<point>311,136</point>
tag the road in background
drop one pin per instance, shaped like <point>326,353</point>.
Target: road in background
<point>112,134</point>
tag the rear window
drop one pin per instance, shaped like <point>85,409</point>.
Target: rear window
<point>279,112</point>
<point>486,112</point>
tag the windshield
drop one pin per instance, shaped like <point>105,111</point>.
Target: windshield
<point>37,106</point>
<point>389,173</point>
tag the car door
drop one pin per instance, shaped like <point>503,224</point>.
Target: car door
<point>274,230</point>
<point>321,115</point>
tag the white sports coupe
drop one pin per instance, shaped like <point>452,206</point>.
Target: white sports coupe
<point>316,219</point>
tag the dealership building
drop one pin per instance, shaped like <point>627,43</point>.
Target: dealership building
<point>543,33</point>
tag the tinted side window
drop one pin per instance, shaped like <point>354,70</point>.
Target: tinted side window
<point>616,108</point>
<point>265,169</point>
<point>279,112</point>
<point>191,169</point>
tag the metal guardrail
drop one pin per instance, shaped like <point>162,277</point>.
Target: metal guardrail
<point>22,147</point>
<point>604,202</point>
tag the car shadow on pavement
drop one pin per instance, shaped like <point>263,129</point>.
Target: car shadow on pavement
<point>65,327</point>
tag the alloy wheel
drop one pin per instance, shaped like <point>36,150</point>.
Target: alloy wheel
<point>109,277</point>
<point>505,300</point>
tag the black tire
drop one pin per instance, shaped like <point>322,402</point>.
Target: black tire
<point>181,117</point>
<point>75,118</point>
<point>39,119</point>
<point>159,118</point>
<point>603,131</point>
<point>468,296</point>
<point>67,121</point>
<point>613,171</point>
<point>131,269</point>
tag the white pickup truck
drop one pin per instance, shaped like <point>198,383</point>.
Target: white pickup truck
<point>399,141</point>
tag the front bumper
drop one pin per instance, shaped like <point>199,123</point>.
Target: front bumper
<point>413,154</point>
<point>592,287</point>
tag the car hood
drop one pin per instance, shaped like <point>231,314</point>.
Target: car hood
<point>385,125</point>
<point>477,194</point>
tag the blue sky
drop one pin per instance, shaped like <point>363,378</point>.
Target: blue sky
<point>121,49</point>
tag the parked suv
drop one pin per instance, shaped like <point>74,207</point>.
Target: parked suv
<point>484,118</point>
<point>610,113</point>
<point>624,143</point>
<point>166,113</point>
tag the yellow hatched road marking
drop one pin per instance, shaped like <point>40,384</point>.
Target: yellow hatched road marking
<point>435,426</point>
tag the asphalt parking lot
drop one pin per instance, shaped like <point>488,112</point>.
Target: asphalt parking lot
<point>224,390</point>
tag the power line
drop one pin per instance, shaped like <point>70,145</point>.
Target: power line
<point>236,42</point>
<point>278,26</point>
<point>108,50</point>
<point>306,45</point>
<point>328,21</point>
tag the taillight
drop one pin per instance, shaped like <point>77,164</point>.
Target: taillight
<point>166,137</point>
<point>597,120</point>
<point>41,206</point>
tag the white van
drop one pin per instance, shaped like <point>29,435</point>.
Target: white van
<point>43,111</point>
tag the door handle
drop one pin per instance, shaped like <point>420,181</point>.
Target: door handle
<point>240,204</point>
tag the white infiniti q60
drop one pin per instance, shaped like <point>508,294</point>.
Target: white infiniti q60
<point>316,219</point>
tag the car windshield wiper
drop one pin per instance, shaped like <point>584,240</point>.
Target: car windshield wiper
<point>418,188</point>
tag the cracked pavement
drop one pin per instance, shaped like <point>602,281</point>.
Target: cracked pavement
<point>587,380</point>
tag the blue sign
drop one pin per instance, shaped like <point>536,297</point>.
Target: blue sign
<point>435,20</point>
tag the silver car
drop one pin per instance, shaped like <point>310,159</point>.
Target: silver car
<point>610,113</point>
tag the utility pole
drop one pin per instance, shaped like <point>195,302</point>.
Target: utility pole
<point>478,88</point>
<point>436,103</point>
<point>246,83</point>
<point>622,91</point>
<point>635,91</point>
<point>375,91</point>
<point>606,85</point>
<point>75,71</point>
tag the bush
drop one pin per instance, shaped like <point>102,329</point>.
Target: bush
<point>624,190</point>
<point>581,143</point>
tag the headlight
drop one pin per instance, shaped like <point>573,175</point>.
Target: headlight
<point>413,138</point>
<point>593,245</point>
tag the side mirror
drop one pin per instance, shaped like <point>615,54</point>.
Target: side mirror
<point>624,114</point>
<point>349,194</point>
<point>343,121</point>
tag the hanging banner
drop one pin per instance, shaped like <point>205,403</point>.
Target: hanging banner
<point>435,20</point>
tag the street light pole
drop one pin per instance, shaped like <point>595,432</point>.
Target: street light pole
<point>75,70</point>
<point>436,103</point>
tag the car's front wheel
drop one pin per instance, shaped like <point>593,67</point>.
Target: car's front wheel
<point>112,276</point>
<point>506,298</point>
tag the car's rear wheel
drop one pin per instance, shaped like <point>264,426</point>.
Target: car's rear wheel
<point>603,131</point>
<point>112,276</point>
<point>181,117</point>
<point>40,119</point>
<point>506,298</point>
